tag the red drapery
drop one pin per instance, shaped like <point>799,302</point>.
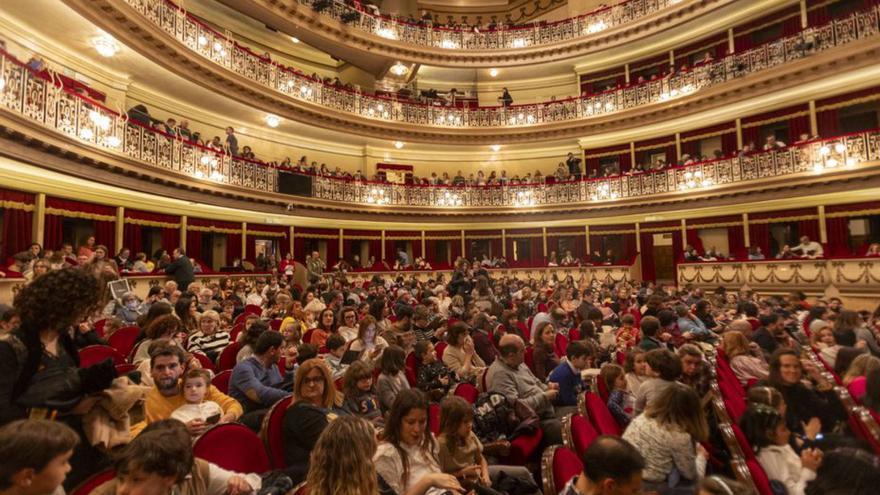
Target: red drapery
<point>809,228</point>
<point>647,253</point>
<point>132,232</point>
<point>621,152</point>
<point>736,241</point>
<point>53,233</point>
<point>103,230</point>
<point>538,258</point>
<point>759,236</point>
<point>194,244</point>
<point>827,121</point>
<point>790,24</point>
<point>693,238</point>
<point>255,232</point>
<point>233,248</point>
<point>105,233</point>
<point>797,126</point>
<point>838,236</point>
<point>666,144</point>
<point>17,231</point>
<point>595,82</point>
<point>132,238</point>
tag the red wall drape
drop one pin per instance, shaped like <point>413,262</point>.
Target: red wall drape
<point>17,231</point>
<point>193,244</point>
<point>797,126</point>
<point>736,242</point>
<point>759,236</point>
<point>132,238</point>
<point>170,239</point>
<point>495,246</point>
<point>838,236</point>
<point>827,121</point>
<point>537,253</point>
<point>647,252</point>
<point>233,248</point>
<point>53,232</point>
<point>693,238</point>
<point>809,228</point>
<point>105,233</point>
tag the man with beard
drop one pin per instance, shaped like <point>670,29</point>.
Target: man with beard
<point>166,367</point>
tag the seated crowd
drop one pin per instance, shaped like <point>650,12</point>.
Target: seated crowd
<point>411,387</point>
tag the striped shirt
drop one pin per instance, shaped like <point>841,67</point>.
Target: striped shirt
<point>209,345</point>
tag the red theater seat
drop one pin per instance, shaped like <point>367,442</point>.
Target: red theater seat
<point>92,482</point>
<point>271,435</point>
<point>601,416</point>
<point>558,466</point>
<point>522,448</point>
<point>234,447</point>
<point>204,360</point>
<point>94,354</point>
<point>221,381</point>
<point>226,360</point>
<point>578,433</point>
<point>123,340</point>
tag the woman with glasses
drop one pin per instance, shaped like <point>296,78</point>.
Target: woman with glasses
<point>312,409</point>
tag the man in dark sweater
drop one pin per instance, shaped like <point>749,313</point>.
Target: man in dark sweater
<point>771,334</point>
<point>181,269</point>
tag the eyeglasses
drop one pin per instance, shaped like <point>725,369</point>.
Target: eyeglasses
<point>313,380</point>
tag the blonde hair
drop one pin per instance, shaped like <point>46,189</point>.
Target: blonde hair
<point>860,366</point>
<point>342,461</point>
<point>210,314</point>
<point>734,344</point>
<point>679,406</point>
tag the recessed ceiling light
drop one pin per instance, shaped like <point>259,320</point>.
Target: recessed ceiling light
<point>493,72</point>
<point>398,69</point>
<point>105,45</point>
<point>398,144</point>
<point>273,120</point>
<point>294,39</point>
<point>496,148</point>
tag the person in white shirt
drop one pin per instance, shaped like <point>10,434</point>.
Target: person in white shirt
<point>767,433</point>
<point>772,143</point>
<point>809,249</point>
<point>195,387</point>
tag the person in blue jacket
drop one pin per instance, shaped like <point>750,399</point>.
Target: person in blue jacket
<point>578,357</point>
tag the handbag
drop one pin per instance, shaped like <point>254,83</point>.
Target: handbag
<point>58,388</point>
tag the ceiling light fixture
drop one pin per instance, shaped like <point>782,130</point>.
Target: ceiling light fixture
<point>105,45</point>
<point>398,144</point>
<point>294,39</point>
<point>496,148</point>
<point>273,120</point>
<point>386,33</point>
<point>493,72</point>
<point>398,69</point>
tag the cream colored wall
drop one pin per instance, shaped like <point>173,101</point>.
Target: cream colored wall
<point>715,237</point>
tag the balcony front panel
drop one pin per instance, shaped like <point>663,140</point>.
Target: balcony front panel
<point>258,81</point>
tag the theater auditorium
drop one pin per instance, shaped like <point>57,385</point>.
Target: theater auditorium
<point>439,247</point>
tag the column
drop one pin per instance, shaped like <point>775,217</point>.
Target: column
<point>463,252</point>
<point>120,225</point>
<point>638,239</point>
<point>244,241</point>
<point>731,46</point>
<point>504,243</point>
<point>383,246</point>
<point>183,221</point>
<point>587,240</point>
<point>672,58</point>
<point>341,254</point>
<point>626,72</point>
<point>804,20</point>
<point>684,234</point>
<point>39,220</point>
<point>746,240</point>
<point>678,146</point>
<point>290,237</point>
<point>632,154</point>
<point>739,134</point>
<point>823,229</point>
<point>544,240</point>
<point>814,122</point>
<point>424,254</point>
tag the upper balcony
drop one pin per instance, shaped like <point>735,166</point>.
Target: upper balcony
<point>46,116</point>
<point>329,25</point>
<point>181,43</point>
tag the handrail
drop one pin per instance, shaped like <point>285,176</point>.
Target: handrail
<point>231,55</point>
<point>36,97</point>
<point>499,38</point>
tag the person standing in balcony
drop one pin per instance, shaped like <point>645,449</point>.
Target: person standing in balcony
<point>809,249</point>
<point>574,166</point>
<point>231,141</point>
<point>506,99</point>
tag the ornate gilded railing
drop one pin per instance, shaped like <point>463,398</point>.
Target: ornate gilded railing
<point>536,34</point>
<point>225,51</point>
<point>40,98</point>
<point>814,156</point>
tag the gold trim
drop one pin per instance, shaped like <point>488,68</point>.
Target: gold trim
<point>525,236</point>
<point>766,24</point>
<point>853,213</point>
<point>268,233</point>
<point>783,219</point>
<point>707,135</point>
<point>565,234</point>
<point>609,153</point>
<point>655,146</point>
<point>775,119</point>
<point>479,237</point>
<point>612,232</point>
<point>442,238</point>
<point>714,225</point>
<point>854,101</point>
<point>80,214</point>
<point>151,223</point>
<point>362,238</point>
<point>216,230</point>
<point>661,230</point>
<point>317,236</point>
<point>15,205</point>
<point>410,238</point>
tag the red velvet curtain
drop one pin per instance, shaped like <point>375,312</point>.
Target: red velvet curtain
<point>647,253</point>
<point>580,251</point>
<point>332,251</point>
<point>376,249</point>
<point>105,233</point>
<point>553,246</point>
<point>132,238</point>
<point>809,228</point>
<point>390,251</point>
<point>628,241</point>
<point>827,121</point>
<point>299,248</point>
<point>677,248</point>
<point>537,258</point>
<point>233,248</point>
<point>838,236</point>
<point>728,143</point>
<point>624,161</point>
<point>454,250</point>
<point>752,135</point>
<point>759,236</point>
<point>736,242</point>
<point>53,232</point>
<point>17,231</point>
<point>193,244</point>
<point>797,126</point>
<point>170,239</point>
<point>693,238</point>
<point>496,247</point>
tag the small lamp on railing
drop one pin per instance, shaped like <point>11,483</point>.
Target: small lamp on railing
<point>596,27</point>
<point>2,83</point>
<point>202,40</point>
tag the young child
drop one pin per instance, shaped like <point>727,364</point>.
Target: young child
<point>764,427</point>
<point>336,346</point>
<point>461,452</point>
<point>635,368</point>
<point>195,385</point>
<point>663,367</point>
<point>568,375</point>
<point>392,379</point>
<point>35,456</point>
<point>615,382</point>
<point>433,377</point>
<point>360,399</point>
<point>627,335</point>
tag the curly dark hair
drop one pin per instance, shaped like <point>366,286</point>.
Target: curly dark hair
<point>58,300</point>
